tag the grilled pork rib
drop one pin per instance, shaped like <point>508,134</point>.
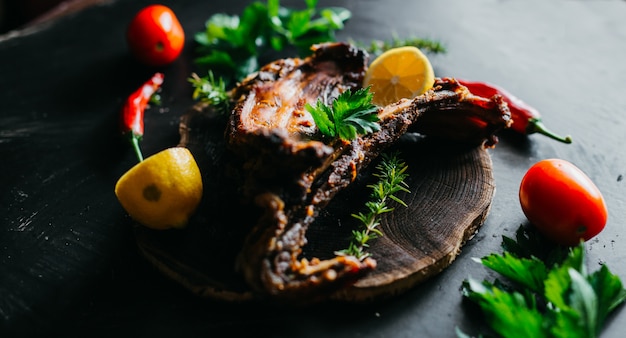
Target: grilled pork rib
<point>291,172</point>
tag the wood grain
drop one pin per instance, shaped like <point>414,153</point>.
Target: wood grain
<point>451,188</point>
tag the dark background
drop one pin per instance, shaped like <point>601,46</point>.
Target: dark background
<point>17,13</point>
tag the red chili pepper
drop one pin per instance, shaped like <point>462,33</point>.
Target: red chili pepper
<point>133,111</point>
<point>526,119</point>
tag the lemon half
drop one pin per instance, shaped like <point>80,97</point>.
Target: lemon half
<point>162,191</point>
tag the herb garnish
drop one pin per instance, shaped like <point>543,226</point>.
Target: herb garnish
<point>391,180</point>
<point>377,47</point>
<point>211,91</point>
<point>349,115</point>
<point>551,294</point>
<point>233,43</point>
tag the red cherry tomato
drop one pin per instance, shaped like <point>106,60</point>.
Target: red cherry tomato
<point>155,36</point>
<point>562,202</point>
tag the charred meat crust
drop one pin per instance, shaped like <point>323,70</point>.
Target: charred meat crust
<point>462,116</point>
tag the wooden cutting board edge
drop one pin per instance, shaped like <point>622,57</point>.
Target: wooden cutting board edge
<point>359,294</point>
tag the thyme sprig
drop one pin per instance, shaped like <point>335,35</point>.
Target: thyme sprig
<point>391,174</point>
<point>210,90</point>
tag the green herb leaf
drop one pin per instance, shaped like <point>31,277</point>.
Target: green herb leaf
<point>323,116</point>
<point>335,17</point>
<point>584,301</point>
<point>558,281</point>
<point>507,313</point>
<point>298,23</point>
<point>529,272</point>
<point>610,291</point>
<point>219,27</point>
<point>352,114</point>
<point>355,114</point>
<point>565,323</point>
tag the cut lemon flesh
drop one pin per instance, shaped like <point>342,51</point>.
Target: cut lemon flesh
<point>403,72</point>
<point>162,191</point>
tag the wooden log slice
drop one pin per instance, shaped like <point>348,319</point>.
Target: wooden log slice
<point>451,186</point>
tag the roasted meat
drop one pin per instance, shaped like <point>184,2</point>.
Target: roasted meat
<point>270,127</point>
<point>290,171</point>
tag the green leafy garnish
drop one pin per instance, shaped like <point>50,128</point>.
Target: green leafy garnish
<point>377,47</point>
<point>351,114</point>
<point>391,174</point>
<point>549,297</point>
<point>234,43</point>
<point>211,91</point>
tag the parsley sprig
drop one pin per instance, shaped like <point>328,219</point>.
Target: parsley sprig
<point>391,174</point>
<point>350,115</point>
<point>234,43</point>
<point>550,293</point>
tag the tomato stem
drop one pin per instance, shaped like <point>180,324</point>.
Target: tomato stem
<point>535,125</point>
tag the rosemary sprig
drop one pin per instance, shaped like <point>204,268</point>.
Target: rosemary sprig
<point>377,47</point>
<point>391,173</point>
<point>210,90</point>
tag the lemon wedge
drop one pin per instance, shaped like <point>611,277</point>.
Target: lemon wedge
<point>403,72</point>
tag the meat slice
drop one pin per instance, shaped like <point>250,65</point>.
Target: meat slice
<point>291,172</point>
<point>270,128</point>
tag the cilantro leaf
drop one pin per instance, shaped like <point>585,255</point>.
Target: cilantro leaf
<point>351,114</point>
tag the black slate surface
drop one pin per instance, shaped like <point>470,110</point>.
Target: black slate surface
<point>68,263</point>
